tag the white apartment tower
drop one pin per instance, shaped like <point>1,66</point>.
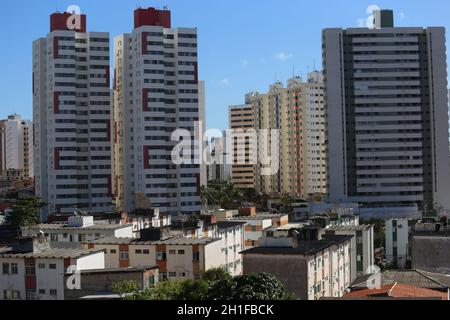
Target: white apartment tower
<point>16,146</point>
<point>72,117</point>
<point>156,91</point>
<point>387,116</point>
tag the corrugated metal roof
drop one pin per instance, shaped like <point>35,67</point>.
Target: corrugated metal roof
<point>52,254</point>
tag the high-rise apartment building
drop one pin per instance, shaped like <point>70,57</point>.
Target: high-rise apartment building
<point>156,91</point>
<point>218,168</point>
<point>387,116</point>
<point>72,117</point>
<point>240,142</point>
<point>297,112</point>
<point>16,146</point>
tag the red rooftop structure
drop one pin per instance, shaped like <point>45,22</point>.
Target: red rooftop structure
<point>152,17</point>
<point>58,21</point>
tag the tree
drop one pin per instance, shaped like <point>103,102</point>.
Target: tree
<point>166,290</point>
<point>125,288</point>
<point>175,290</point>
<point>286,202</point>
<point>194,290</point>
<point>257,286</point>
<point>206,196</point>
<point>215,274</point>
<point>25,212</point>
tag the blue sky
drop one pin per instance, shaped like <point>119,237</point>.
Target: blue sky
<point>244,45</point>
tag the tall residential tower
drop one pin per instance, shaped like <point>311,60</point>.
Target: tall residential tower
<point>16,146</point>
<point>387,117</point>
<point>72,117</point>
<point>156,91</point>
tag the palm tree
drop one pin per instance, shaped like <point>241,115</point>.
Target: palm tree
<point>204,195</point>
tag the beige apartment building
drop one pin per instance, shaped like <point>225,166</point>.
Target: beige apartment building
<point>243,151</point>
<point>16,146</point>
<point>297,112</point>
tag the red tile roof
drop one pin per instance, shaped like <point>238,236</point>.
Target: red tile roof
<point>397,291</point>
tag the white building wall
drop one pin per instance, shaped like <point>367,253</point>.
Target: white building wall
<point>125,232</point>
<point>15,282</point>
<point>91,262</point>
<point>160,96</point>
<point>214,258</point>
<point>50,279</point>
<point>71,111</point>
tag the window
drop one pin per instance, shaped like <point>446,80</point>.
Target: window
<point>14,268</point>
<point>41,265</point>
<point>161,256</point>
<point>146,251</point>
<point>53,292</point>
<point>196,256</point>
<point>172,252</point>
<point>123,255</point>
<point>54,238</point>
<point>52,266</point>
<point>65,235</point>
<point>113,251</point>
<point>181,252</point>
<point>30,294</point>
<point>172,274</point>
<point>11,295</point>
<point>30,269</point>
<point>5,268</point>
<point>41,291</point>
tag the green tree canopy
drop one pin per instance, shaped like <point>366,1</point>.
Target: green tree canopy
<point>25,212</point>
<point>215,274</point>
<point>258,286</point>
<point>125,288</point>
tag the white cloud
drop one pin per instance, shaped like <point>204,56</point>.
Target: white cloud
<point>244,62</point>
<point>225,82</point>
<point>282,56</point>
<point>402,16</point>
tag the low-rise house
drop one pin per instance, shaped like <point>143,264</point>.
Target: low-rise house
<point>256,224</point>
<point>31,270</point>
<point>398,252</point>
<point>203,227</point>
<point>141,220</point>
<point>98,284</point>
<point>79,229</point>
<point>310,269</point>
<point>177,258</point>
<point>231,234</point>
<point>363,247</point>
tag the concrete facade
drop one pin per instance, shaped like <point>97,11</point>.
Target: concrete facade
<point>430,252</point>
<point>98,283</point>
<point>387,117</point>
<point>40,275</point>
<point>72,118</point>
<point>156,91</point>
<point>308,273</point>
<point>177,258</point>
<point>17,146</point>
